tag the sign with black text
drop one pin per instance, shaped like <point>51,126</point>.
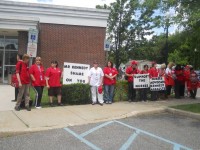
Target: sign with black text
<point>141,81</point>
<point>75,73</point>
<point>157,84</point>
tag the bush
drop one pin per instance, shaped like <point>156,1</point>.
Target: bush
<point>76,94</point>
<point>121,91</point>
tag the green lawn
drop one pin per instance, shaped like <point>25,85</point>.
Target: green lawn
<point>45,98</point>
<point>195,108</point>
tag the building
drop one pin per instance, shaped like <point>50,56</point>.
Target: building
<point>66,34</point>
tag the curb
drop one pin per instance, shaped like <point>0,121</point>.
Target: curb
<point>183,113</point>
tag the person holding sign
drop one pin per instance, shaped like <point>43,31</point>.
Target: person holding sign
<point>38,81</point>
<point>153,73</point>
<point>143,91</point>
<point>169,79</point>
<point>95,79</point>
<point>53,76</point>
<point>110,74</point>
<point>130,71</point>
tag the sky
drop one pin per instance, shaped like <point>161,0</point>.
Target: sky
<point>92,4</point>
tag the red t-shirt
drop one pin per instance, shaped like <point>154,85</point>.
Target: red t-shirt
<point>153,72</point>
<point>38,73</point>
<point>180,76</point>
<point>110,72</point>
<point>54,75</point>
<point>144,72</point>
<point>130,70</point>
<point>23,70</point>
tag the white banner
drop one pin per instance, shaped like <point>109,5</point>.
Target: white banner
<point>141,81</point>
<point>157,84</point>
<point>75,73</point>
<point>32,49</point>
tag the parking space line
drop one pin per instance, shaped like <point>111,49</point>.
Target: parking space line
<point>176,145</point>
<point>82,139</point>
<point>96,128</point>
<point>127,144</point>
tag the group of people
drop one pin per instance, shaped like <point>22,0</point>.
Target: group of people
<point>38,78</point>
<point>177,76</point>
<point>99,79</point>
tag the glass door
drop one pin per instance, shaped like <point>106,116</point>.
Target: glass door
<point>8,53</point>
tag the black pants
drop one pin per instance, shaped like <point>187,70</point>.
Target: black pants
<point>131,92</point>
<point>168,90</point>
<point>177,89</point>
<point>154,95</point>
<point>193,93</point>
<point>143,94</point>
<point>182,89</point>
<point>38,91</point>
<point>16,93</point>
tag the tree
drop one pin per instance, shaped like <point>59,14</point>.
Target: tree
<point>128,24</point>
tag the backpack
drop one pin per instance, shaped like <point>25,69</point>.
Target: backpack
<point>14,81</point>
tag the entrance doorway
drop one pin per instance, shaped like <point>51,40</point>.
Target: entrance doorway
<point>8,53</point>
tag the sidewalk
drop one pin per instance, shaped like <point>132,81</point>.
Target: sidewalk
<point>58,117</point>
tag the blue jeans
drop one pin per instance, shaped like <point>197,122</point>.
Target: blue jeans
<point>109,91</point>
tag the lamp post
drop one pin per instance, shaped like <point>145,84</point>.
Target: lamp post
<point>167,25</point>
<point>195,53</point>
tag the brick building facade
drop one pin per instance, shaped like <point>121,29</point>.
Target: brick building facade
<point>66,34</point>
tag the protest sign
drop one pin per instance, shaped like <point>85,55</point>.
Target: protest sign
<point>75,73</point>
<point>157,84</point>
<point>141,81</point>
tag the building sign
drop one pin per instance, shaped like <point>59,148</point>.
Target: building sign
<point>141,81</point>
<point>32,49</point>
<point>32,42</point>
<point>106,45</point>
<point>75,73</point>
<point>157,84</point>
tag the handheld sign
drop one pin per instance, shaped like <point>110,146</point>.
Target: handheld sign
<point>141,81</point>
<point>157,84</point>
<point>75,73</point>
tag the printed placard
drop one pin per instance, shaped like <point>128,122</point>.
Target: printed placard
<point>141,81</point>
<point>75,73</point>
<point>157,84</point>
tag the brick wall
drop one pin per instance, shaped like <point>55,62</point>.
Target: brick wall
<point>22,41</point>
<point>66,43</point>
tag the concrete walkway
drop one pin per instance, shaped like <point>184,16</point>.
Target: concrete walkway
<point>58,117</point>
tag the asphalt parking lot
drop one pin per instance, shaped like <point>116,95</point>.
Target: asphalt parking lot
<point>151,132</point>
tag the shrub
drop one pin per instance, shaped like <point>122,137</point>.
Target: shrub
<point>76,94</point>
<point>121,91</point>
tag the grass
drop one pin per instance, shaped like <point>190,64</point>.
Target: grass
<point>45,98</point>
<point>195,108</point>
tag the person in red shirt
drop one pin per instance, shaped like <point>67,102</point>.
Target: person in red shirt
<point>110,74</point>
<point>193,83</point>
<point>187,77</point>
<point>143,91</point>
<point>130,71</point>
<point>19,60</point>
<point>153,73</point>
<point>178,81</point>
<point>23,77</point>
<point>38,81</point>
<point>53,76</point>
<point>169,79</point>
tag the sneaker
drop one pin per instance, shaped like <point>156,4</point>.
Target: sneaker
<point>28,108</point>
<point>93,103</point>
<point>106,102</point>
<point>17,108</point>
<point>101,104</point>
<point>60,104</point>
<point>109,102</point>
<point>51,105</point>
<point>38,107</point>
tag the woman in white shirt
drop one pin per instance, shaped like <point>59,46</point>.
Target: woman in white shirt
<point>95,79</point>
